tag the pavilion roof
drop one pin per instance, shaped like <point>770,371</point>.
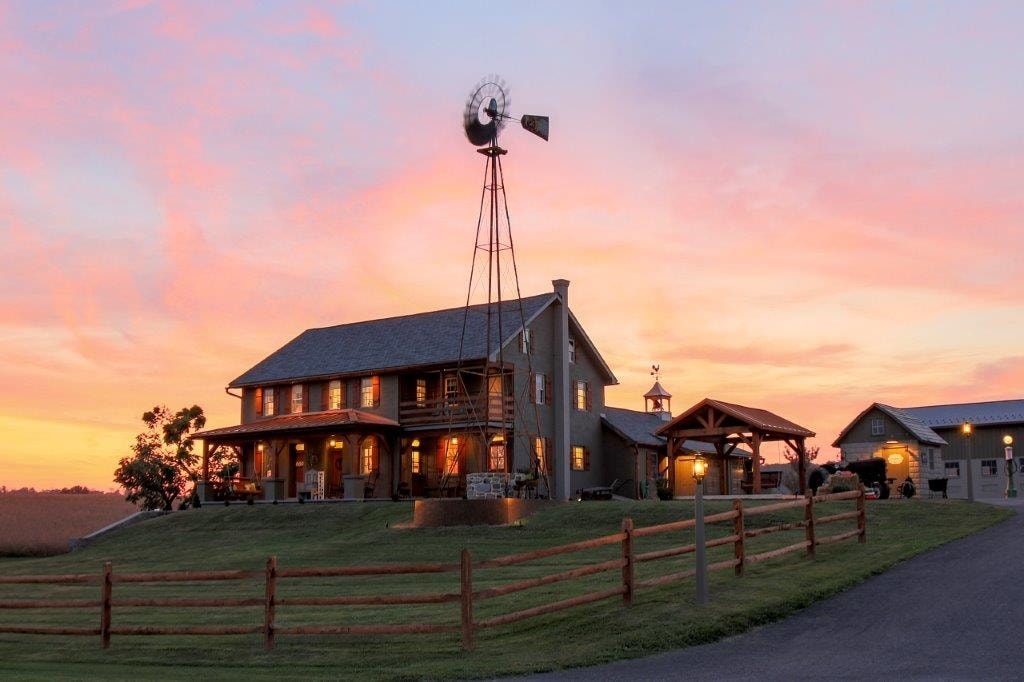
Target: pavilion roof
<point>712,418</point>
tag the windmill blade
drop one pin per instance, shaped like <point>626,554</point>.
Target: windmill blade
<point>538,125</point>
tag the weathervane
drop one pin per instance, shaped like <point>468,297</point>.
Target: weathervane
<point>655,371</point>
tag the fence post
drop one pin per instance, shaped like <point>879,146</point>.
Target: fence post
<point>628,566</point>
<point>466,587</point>
<point>271,603</point>
<point>739,547</point>
<point>862,519</point>
<point>809,523</point>
<point>107,591</point>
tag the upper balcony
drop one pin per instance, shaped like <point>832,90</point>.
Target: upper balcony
<point>458,410</point>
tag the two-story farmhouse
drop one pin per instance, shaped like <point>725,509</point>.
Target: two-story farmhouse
<point>396,401</point>
<point>929,442</point>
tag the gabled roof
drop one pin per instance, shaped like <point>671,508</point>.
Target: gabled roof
<point>300,422</point>
<point>993,412</point>
<point>633,426</point>
<point>903,417</point>
<point>639,428</point>
<point>755,417</point>
<point>393,343</point>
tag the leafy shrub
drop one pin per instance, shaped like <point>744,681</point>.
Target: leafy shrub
<point>840,482</point>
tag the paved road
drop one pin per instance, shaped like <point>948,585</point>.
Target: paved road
<point>954,613</point>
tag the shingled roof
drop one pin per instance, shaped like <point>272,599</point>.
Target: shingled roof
<point>392,343</point>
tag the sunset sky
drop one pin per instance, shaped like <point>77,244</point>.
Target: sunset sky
<point>802,206</point>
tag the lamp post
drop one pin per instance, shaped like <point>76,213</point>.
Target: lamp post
<point>967,429</point>
<point>1008,442</point>
<point>700,468</point>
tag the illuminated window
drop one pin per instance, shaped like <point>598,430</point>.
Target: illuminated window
<point>877,426</point>
<point>296,398</point>
<point>989,467</point>
<point>451,388</point>
<point>369,391</point>
<point>334,395</point>
<point>580,458</point>
<point>268,401</point>
<point>414,457</point>
<point>540,389</point>
<point>572,349</point>
<point>368,456</point>
<point>582,396</point>
<point>497,454</point>
<point>451,456</point>
<point>421,393</point>
<point>952,469</point>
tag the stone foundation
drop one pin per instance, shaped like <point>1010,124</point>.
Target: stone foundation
<point>489,485</point>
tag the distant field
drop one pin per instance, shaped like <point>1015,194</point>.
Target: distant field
<point>43,523</point>
<point>241,536</point>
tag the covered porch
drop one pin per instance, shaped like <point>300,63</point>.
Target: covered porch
<point>305,456</point>
<point>725,427</point>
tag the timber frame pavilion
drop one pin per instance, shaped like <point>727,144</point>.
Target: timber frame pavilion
<point>726,426</point>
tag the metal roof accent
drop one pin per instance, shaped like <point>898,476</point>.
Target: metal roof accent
<point>657,391</point>
<point>299,422</point>
<point>979,414</point>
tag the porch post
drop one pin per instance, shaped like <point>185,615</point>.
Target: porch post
<point>801,472</point>
<point>206,460</point>
<point>723,473</point>
<point>756,463</point>
<point>671,473</point>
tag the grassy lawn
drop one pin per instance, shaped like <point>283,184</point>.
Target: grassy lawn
<point>308,535</point>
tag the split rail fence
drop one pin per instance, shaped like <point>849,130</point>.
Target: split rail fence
<point>626,587</point>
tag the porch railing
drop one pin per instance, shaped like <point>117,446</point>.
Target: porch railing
<point>460,409</point>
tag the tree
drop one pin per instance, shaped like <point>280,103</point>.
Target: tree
<point>163,463</point>
<point>810,454</point>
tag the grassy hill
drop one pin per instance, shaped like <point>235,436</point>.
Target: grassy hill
<point>241,537</point>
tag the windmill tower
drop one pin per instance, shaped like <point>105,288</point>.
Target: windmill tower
<point>504,423</point>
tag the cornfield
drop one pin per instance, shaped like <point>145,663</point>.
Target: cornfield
<point>45,523</point>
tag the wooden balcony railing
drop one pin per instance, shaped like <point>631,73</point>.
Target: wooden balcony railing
<point>461,409</point>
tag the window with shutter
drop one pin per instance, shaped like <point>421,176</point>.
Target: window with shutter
<point>258,401</point>
<point>578,458</point>
<point>586,459</point>
<point>547,390</point>
<point>376,391</point>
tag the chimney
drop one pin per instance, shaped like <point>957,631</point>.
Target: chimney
<point>562,289</point>
<point>562,392</point>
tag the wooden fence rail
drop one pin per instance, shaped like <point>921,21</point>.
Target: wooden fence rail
<point>626,587</point>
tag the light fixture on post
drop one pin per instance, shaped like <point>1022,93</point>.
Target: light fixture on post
<point>967,429</point>
<point>700,469</point>
<point>1011,491</point>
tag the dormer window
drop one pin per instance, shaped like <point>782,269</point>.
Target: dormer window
<point>369,391</point>
<point>297,400</point>
<point>268,402</point>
